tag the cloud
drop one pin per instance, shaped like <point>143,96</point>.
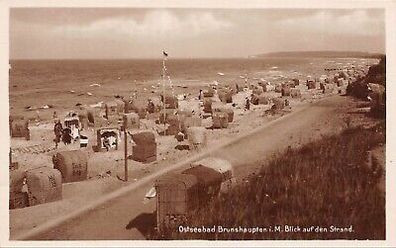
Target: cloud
<point>357,22</point>
<point>157,24</point>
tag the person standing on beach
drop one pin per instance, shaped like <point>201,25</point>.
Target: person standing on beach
<point>247,106</point>
<point>55,116</point>
<point>58,133</point>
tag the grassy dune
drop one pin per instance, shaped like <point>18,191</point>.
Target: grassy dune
<point>321,184</point>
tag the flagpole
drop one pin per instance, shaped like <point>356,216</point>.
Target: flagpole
<point>163,92</point>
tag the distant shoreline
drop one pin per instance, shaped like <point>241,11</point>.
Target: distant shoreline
<point>320,54</point>
<point>291,54</point>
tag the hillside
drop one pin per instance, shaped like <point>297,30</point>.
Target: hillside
<point>324,184</point>
<point>322,54</point>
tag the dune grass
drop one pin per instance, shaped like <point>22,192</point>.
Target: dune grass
<point>323,183</point>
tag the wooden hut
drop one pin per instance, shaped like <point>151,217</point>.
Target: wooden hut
<point>145,149</point>
<point>278,88</point>
<point>170,101</point>
<point>257,90</point>
<point>73,165</point>
<point>208,182</point>
<point>18,198</point>
<point>225,95</point>
<point>107,138</point>
<point>131,121</point>
<point>120,105</point>
<point>188,122</point>
<point>295,93</point>
<point>311,84</point>
<point>176,196</point>
<point>19,128</point>
<point>222,166</point>
<point>16,180</point>
<point>207,105</point>
<point>197,137</point>
<point>44,184</point>
<point>221,107</point>
<point>220,120</point>
<point>278,104</point>
<point>208,92</point>
<point>286,90</point>
<point>111,109</point>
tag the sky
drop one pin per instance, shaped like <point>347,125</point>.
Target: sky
<point>120,33</point>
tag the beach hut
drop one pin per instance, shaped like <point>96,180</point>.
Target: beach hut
<point>208,182</point>
<point>73,165</point>
<point>225,95</point>
<point>263,99</point>
<point>295,93</point>
<point>176,196</point>
<point>18,198</point>
<point>278,88</point>
<point>166,114</point>
<point>268,87</point>
<point>154,105</point>
<point>145,149</point>
<point>207,105</point>
<point>188,122</point>
<point>257,90</point>
<point>120,105</point>
<point>71,119</point>
<point>221,107</point>
<point>131,121</point>
<point>111,109</point>
<point>107,138</point>
<point>197,137</point>
<point>175,124</point>
<point>170,101</point>
<point>278,104</point>
<point>254,100</point>
<point>222,166</point>
<point>328,88</point>
<point>189,107</point>
<point>208,92</point>
<point>311,84</point>
<point>19,127</point>
<point>17,178</point>
<point>219,120</point>
<point>128,105</point>
<point>286,90</point>
<point>44,184</point>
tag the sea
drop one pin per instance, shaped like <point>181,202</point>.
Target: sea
<point>38,82</point>
<point>74,71</point>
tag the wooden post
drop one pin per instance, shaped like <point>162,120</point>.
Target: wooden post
<point>163,93</point>
<point>126,151</point>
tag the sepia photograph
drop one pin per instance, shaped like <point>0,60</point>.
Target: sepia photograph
<point>197,123</point>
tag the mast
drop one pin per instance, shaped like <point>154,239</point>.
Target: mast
<point>163,90</point>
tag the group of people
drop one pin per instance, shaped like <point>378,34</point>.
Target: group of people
<point>61,134</point>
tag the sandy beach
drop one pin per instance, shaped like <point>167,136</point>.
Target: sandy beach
<point>105,172</point>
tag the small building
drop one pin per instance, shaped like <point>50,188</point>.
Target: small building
<point>145,148</point>
<point>107,138</point>
<point>73,165</point>
<point>44,185</point>
<point>19,127</point>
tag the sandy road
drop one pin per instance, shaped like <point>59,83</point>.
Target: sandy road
<point>128,216</point>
